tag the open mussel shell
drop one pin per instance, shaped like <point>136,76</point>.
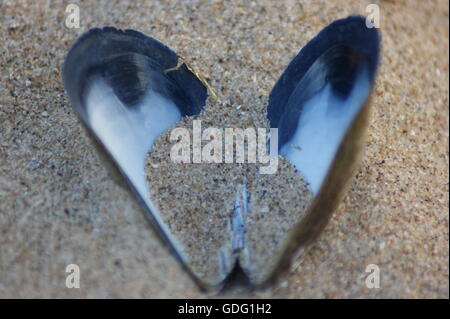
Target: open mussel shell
<point>320,106</point>
<point>127,89</point>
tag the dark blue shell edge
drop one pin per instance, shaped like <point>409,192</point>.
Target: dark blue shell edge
<point>351,31</point>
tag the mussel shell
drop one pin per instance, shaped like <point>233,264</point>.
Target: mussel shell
<point>131,64</point>
<point>335,56</point>
<point>351,35</point>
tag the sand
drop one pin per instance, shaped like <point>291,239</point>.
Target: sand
<point>222,213</point>
<point>58,204</point>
